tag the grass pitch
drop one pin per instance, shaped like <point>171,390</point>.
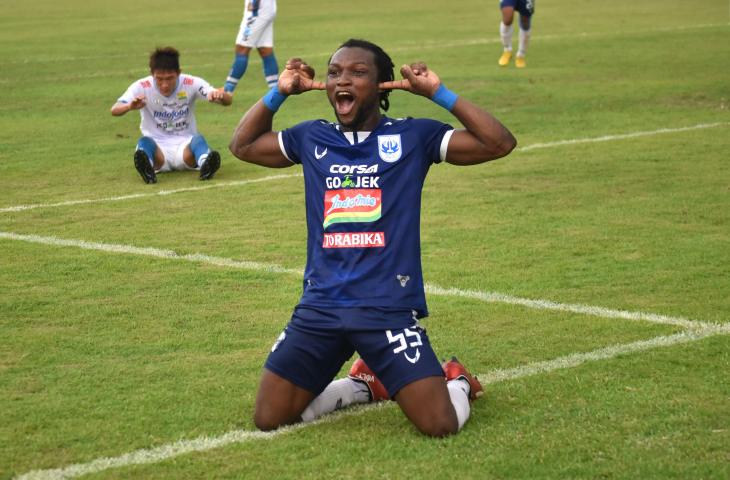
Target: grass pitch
<point>108,348</point>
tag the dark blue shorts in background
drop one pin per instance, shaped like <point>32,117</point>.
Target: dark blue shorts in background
<point>525,7</point>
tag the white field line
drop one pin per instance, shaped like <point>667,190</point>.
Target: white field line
<point>203,443</point>
<point>151,252</point>
<point>608,138</point>
<point>604,138</point>
<point>207,186</point>
<point>402,47</point>
<point>489,297</point>
<point>495,297</point>
<point>576,359</point>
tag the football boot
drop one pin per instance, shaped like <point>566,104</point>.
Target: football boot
<point>505,58</point>
<point>454,370</point>
<point>210,166</point>
<point>144,167</point>
<point>362,373</point>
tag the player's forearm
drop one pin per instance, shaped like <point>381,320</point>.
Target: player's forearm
<point>492,140</point>
<point>255,142</point>
<point>119,109</point>
<point>257,121</point>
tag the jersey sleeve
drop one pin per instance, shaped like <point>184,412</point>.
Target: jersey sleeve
<point>435,137</point>
<point>134,90</point>
<point>292,140</point>
<point>202,88</point>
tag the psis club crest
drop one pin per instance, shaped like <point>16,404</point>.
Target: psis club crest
<point>389,148</point>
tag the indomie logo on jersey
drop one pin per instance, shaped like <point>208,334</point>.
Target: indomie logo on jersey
<point>353,240</point>
<point>352,205</point>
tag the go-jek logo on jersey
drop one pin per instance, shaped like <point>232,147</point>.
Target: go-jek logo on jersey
<point>349,171</point>
<point>355,205</point>
<point>389,148</point>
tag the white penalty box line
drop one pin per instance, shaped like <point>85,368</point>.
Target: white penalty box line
<point>206,443</point>
<point>527,148</point>
<point>432,289</point>
<point>134,196</point>
<point>693,330</point>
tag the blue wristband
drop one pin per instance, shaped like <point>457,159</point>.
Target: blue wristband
<point>273,99</point>
<point>445,97</point>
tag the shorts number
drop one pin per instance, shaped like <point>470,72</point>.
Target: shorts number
<point>400,338</point>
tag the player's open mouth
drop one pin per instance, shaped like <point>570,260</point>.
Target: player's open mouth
<point>344,103</point>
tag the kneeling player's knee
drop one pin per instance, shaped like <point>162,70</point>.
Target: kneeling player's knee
<point>267,419</point>
<point>440,430</point>
<point>264,423</point>
<point>438,426</point>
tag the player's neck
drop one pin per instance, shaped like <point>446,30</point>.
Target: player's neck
<point>363,125</point>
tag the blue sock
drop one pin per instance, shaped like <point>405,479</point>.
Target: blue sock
<point>199,147</point>
<point>148,146</point>
<point>271,69</point>
<point>240,63</point>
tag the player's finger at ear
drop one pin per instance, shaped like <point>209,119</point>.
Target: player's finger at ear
<point>395,85</point>
<point>293,63</point>
<point>406,71</point>
<point>308,71</point>
<point>318,86</point>
<point>420,66</point>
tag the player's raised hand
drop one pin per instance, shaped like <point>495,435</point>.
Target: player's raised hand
<point>219,95</point>
<point>138,102</point>
<point>417,78</point>
<point>298,77</point>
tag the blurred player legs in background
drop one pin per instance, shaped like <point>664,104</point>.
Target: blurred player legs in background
<point>256,31</point>
<point>526,8</point>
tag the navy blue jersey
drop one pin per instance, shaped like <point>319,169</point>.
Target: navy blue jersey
<point>363,202</point>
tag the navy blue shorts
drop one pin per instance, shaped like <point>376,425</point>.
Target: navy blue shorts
<point>525,7</point>
<point>318,341</point>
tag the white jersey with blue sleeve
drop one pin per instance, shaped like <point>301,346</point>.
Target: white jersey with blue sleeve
<point>363,204</point>
<point>171,118</point>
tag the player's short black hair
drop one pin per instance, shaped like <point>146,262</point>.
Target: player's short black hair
<point>382,61</point>
<point>167,58</point>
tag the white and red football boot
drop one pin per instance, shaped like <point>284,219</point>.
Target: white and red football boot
<point>360,372</point>
<point>454,370</point>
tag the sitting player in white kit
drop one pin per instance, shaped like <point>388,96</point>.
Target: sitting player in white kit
<point>166,101</point>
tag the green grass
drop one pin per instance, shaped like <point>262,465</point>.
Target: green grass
<point>106,353</point>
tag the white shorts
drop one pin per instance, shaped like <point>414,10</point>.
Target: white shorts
<point>173,154</point>
<point>256,32</point>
